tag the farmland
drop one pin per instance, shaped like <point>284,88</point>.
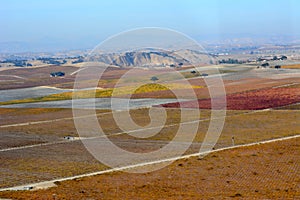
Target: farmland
<point>227,173</point>
<point>41,143</point>
<point>252,100</point>
<point>167,100</point>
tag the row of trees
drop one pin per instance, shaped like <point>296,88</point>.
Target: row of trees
<point>274,58</point>
<point>18,63</point>
<point>231,61</point>
<point>52,61</point>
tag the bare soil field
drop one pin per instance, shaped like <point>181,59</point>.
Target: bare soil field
<point>267,171</point>
<point>252,100</point>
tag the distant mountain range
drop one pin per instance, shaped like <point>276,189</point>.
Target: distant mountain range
<point>46,45</point>
<point>53,45</point>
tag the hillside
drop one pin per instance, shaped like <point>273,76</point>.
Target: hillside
<point>152,58</point>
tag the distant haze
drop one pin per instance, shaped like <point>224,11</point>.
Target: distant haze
<point>53,25</point>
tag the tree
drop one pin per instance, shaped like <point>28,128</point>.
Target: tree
<point>283,58</point>
<point>259,59</point>
<point>265,64</point>
<point>154,78</point>
<point>277,66</point>
<point>57,74</point>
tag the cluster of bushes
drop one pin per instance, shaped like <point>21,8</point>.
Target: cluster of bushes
<point>265,65</point>
<point>57,74</point>
<point>176,65</point>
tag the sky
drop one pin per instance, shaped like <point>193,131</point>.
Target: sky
<point>87,22</point>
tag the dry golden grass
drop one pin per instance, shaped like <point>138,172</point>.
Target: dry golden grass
<point>295,66</point>
<point>290,107</point>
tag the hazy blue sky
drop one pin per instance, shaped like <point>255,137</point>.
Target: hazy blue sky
<point>94,20</point>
